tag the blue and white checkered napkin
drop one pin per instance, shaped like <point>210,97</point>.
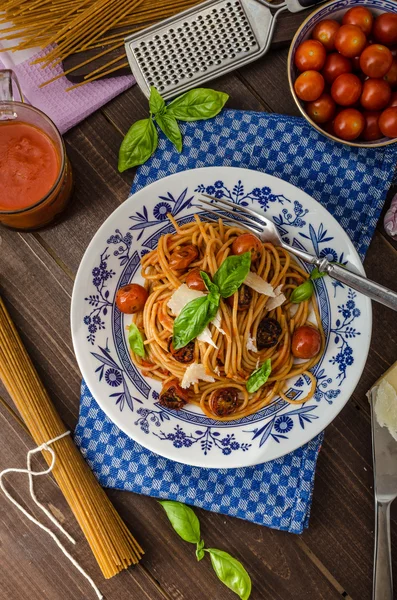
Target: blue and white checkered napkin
<point>352,184</point>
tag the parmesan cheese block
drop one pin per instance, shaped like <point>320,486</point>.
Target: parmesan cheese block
<point>386,400</point>
<point>182,296</point>
<point>193,373</point>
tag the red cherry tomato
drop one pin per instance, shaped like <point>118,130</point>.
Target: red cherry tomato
<point>182,256</point>
<point>371,130</point>
<point>325,32</point>
<point>322,109</point>
<point>173,396</point>
<point>350,40</point>
<point>391,75</point>
<point>131,298</point>
<point>247,242</point>
<point>359,16</point>
<point>376,94</point>
<point>346,89</point>
<point>306,342</point>
<point>393,100</point>
<point>385,29</point>
<point>349,124</point>
<point>335,65</point>
<point>310,56</point>
<point>388,122</point>
<point>194,281</point>
<point>309,86</point>
<point>376,60</point>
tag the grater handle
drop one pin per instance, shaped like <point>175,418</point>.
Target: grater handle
<point>297,5</point>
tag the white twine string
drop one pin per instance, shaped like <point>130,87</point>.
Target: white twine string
<point>46,446</point>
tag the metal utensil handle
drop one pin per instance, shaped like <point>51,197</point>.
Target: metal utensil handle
<point>297,5</point>
<point>383,579</point>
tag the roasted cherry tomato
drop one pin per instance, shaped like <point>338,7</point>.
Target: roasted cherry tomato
<point>359,16</point>
<point>391,75</point>
<point>335,65</point>
<point>376,94</point>
<point>371,130</point>
<point>388,122</point>
<point>309,86</point>
<point>325,32</point>
<point>247,242</point>
<point>385,29</point>
<point>183,355</point>
<point>244,298</point>
<point>182,257</point>
<point>322,109</point>
<point>173,396</point>
<point>306,342</point>
<point>131,298</point>
<point>268,333</point>
<point>195,282</point>
<point>310,56</point>
<point>393,100</point>
<point>350,40</point>
<point>349,124</point>
<point>223,401</point>
<point>346,89</point>
<point>376,60</point>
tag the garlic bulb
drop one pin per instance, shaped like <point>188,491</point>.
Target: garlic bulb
<point>390,220</point>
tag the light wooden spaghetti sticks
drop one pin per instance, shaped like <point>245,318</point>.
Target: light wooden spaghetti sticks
<point>112,544</point>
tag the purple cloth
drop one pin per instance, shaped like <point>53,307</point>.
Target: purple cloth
<point>66,109</point>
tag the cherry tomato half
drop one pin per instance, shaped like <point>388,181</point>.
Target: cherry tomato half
<point>322,109</point>
<point>184,355</point>
<point>247,242</point>
<point>350,40</point>
<point>335,65</point>
<point>194,281</point>
<point>391,75</point>
<point>385,29</point>
<point>309,86</point>
<point>310,56</point>
<point>393,100</point>
<point>223,401</point>
<point>182,256</point>
<point>376,94</point>
<point>325,32</point>
<point>349,124</point>
<point>268,333</point>
<point>346,89</point>
<point>376,60</point>
<point>306,342</point>
<point>388,122</point>
<point>371,130</point>
<point>173,396</point>
<point>131,298</point>
<point>359,16</point>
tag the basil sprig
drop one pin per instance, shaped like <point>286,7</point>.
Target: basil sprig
<point>193,318</point>
<point>232,273</point>
<point>229,570</point>
<point>141,139</point>
<point>305,290</point>
<point>135,340</point>
<point>259,377</point>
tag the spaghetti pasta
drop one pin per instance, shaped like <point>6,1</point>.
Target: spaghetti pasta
<point>233,357</point>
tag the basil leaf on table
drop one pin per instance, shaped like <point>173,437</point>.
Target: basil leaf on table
<point>193,318</point>
<point>302,292</point>
<point>200,103</point>
<point>183,520</point>
<point>170,128</point>
<point>200,550</point>
<point>231,572</point>
<point>231,274</point>
<point>138,145</point>
<point>259,377</point>
<point>135,340</point>
<point>156,102</point>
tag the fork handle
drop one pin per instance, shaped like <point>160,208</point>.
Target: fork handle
<point>383,579</point>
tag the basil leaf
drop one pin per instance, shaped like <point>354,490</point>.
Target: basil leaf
<point>231,572</point>
<point>200,103</point>
<point>169,126</point>
<point>232,273</point>
<point>193,318</point>
<point>199,550</point>
<point>316,274</point>
<point>183,520</point>
<point>156,103</point>
<point>302,292</point>
<point>211,287</point>
<point>138,145</point>
<point>259,377</point>
<point>135,340</point>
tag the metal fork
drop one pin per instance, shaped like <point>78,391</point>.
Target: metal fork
<point>267,232</point>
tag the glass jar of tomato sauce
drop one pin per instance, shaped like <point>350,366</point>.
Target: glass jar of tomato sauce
<point>35,175</point>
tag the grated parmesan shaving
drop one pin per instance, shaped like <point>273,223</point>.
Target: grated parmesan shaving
<point>251,344</point>
<point>182,296</point>
<point>259,285</point>
<point>217,322</point>
<point>205,336</point>
<point>193,373</point>
<point>275,302</point>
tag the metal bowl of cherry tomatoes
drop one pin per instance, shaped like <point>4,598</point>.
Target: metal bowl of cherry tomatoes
<point>342,71</point>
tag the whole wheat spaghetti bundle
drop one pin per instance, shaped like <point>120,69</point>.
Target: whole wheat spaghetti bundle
<point>112,544</point>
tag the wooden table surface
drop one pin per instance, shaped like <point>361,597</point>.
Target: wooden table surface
<point>333,558</point>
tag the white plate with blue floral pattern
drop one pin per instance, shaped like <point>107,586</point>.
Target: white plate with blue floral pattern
<point>131,401</point>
